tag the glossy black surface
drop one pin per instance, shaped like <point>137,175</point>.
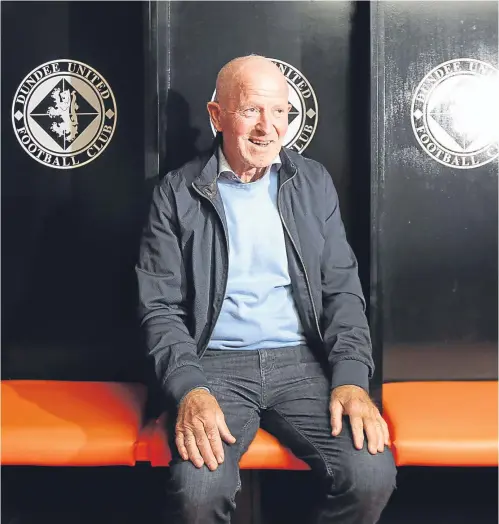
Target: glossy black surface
<point>434,225</point>
<point>69,237</point>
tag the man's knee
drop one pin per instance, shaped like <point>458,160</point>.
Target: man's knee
<point>370,479</point>
<point>199,494</point>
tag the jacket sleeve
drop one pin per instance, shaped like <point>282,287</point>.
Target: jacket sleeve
<point>344,324</point>
<point>162,302</point>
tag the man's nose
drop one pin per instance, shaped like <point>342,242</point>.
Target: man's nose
<point>264,124</point>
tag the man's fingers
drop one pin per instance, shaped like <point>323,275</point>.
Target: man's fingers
<point>224,430</point>
<point>386,433</point>
<point>381,437</point>
<point>336,417</point>
<point>198,435</point>
<point>213,436</point>
<point>204,447</point>
<point>182,450</point>
<point>192,449</point>
<point>371,434</point>
<point>357,430</point>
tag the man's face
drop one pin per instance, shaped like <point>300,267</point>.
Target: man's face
<point>254,119</point>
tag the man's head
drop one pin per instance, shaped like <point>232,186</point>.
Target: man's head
<point>251,111</point>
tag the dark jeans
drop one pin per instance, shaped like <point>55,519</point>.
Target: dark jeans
<point>288,392</point>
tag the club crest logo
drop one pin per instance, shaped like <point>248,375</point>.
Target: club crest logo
<point>455,113</point>
<point>64,114</point>
<point>304,113</point>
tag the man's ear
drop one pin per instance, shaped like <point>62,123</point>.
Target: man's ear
<point>214,111</point>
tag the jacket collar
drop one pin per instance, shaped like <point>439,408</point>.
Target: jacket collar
<point>225,171</point>
<point>207,179</point>
<point>288,168</point>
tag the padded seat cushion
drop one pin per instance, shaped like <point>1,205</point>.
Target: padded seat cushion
<point>265,452</point>
<point>59,423</point>
<point>443,423</point>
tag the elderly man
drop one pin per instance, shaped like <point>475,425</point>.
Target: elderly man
<point>254,315</point>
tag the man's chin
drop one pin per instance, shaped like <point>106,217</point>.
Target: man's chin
<point>261,159</point>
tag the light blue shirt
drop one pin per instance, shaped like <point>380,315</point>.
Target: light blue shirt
<point>258,311</point>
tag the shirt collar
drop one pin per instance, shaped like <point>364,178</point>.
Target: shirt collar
<point>225,171</point>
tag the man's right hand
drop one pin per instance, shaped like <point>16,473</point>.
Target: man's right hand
<point>200,428</point>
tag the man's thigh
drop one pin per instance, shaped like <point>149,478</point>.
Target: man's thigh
<point>234,381</point>
<point>299,417</point>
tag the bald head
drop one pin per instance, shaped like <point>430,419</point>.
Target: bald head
<point>251,112</point>
<point>237,73</point>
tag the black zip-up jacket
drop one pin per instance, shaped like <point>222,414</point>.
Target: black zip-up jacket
<point>183,265</point>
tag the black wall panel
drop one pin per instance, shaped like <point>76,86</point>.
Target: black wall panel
<point>435,224</point>
<point>69,236</point>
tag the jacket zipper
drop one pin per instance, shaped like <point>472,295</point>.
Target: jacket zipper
<point>226,273</point>
<point>299,257</point>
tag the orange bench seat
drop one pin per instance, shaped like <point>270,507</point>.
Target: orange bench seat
<point>60,423</point>
<point>443,423</point>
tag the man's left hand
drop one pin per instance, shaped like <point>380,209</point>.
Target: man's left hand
<point>354,402</point>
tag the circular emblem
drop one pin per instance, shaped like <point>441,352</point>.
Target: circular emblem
<point>304,112</point>
<point>64,114</point>
<point>454,113</point>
